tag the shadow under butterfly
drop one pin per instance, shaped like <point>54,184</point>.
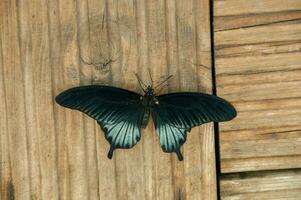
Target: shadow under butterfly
<point>121,113</point>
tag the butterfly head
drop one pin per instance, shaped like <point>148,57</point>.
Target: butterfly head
<point>150,96</point>
<point>149,91</point>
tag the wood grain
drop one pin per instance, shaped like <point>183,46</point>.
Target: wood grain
<point>48,152</point>
<point>262,185</point>
<point>257,60</point>
<point>232,7</point>
<point>257,68</point>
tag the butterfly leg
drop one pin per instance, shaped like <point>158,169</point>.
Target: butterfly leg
<point>110,153</point>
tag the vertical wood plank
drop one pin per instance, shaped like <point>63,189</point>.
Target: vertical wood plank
<point>58,35</point>
<point>46,47</point>
<point>5,160</point>
<point>14,86</point>
<point>75,134</point>
<point>38,97</point>
<point>99,171</point>
<point>57,84</point>
<point>135,163</point>
<point>76,184</point>
<point>158,170</point>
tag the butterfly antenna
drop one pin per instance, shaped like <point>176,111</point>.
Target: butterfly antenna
<point>142,85</point>
<point>163,81</point>
<point>150,76</point>
<point>160,89</point>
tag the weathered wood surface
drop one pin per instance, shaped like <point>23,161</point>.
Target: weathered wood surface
<point>258,69</point>
<point>48,152</point>
<point>262,185</point>
<point>257,60</point>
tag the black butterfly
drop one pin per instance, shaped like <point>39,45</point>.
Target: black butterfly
<point>122,113</point>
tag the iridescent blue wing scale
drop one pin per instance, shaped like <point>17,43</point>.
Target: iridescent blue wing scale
<point>119,112</point>
<point>177,113</point>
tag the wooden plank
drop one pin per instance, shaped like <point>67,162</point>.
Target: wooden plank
<point>286,31</point>
<point>41,138</point>
<point>257,69</point>
<point>59,37</point>
<point>159,174</point>
<point>48,152</point>
<point>264,163</point>
<point>16,184</point>
<point>183,63</point>
<point>285,184</point>
<point>5,160</point>
<point>74,124</point>
<point>258,19</point>
<point>232,7</point>
<point>133,167</point>
<point>87,37</point>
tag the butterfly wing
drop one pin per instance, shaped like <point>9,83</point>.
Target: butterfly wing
<point>177,113</point>
<point>119,112</point>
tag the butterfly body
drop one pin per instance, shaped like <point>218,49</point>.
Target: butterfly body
<point>148,100</point>
<point>121,113</point>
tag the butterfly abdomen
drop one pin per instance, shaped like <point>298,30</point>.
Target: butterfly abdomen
<point>145,118</point>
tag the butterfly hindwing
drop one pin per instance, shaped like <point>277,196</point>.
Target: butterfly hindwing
<point>119,112</point>
<point>177,113</point>
<point>125,131</point>
<point>171,137</point>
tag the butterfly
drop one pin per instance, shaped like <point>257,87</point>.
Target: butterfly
<point>122,114</point>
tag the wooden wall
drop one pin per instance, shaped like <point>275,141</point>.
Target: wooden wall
<point>258,68</point>
<point>48,152</point>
